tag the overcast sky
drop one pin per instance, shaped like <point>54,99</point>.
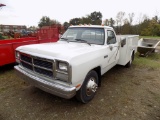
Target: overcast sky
<point>29,12</point>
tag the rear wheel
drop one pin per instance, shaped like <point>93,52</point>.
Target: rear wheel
<point>130,62</point>
<point>89,87</point>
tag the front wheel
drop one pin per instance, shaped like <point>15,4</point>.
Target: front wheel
<point>89,87</point>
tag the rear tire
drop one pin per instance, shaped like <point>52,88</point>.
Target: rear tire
<point>128,65</point>
<point>89,87</point>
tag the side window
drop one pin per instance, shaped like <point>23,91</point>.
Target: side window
<point>111,38</point>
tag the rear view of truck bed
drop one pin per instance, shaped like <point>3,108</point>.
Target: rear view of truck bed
<point>7,47</point>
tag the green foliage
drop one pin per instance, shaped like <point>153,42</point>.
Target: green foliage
<point>122,24</point>
<point>66,25</point>
<point>75,21</point>
<point>145,27</point>
<point>156,30</point>
<point>46,21</point>
<point>85,20</point>
<point>95,18</point>
<point>126,29</point>
<point>150,27</point>
<point>1,37</point>
<point>145,32</point>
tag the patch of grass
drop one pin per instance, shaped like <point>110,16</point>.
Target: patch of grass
<point>2,89</point>
<point>4,37</point>
<point>152,37</point>
<point>152,61</point>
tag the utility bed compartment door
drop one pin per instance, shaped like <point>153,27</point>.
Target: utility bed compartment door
<point>128,48</point>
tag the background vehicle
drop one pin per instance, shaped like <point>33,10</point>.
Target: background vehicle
<point>8,46</point>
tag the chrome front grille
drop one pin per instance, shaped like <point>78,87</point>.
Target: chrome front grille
<point>28,66</point>
<point>39,65</point>
<point>26,58</point>
<point>43,63</point>
<point>44,72</point>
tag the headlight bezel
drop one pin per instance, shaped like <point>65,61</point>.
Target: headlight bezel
<point>62,74</point>
<point>62,66</point>
<point>17,56</point>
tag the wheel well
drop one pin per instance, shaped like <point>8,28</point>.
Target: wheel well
<point>133,52</point>
<point>133,55</point>
<point>98,70</point>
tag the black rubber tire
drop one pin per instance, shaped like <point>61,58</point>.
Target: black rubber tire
<point>128,65</point>
<point>81,94</point>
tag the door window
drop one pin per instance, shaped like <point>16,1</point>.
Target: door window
<point>111,38</point>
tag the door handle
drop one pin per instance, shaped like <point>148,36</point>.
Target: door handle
<point>105,56</point>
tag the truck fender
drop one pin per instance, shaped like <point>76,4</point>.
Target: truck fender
<point>128,65</point>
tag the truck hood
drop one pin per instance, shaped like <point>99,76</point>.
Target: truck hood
<point>59,50</point>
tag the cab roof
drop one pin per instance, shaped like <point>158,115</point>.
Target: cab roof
<point>92,26</point>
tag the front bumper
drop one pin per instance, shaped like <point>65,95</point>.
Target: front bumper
<point>51,87</point>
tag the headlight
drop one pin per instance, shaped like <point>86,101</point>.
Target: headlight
<point>62,70</point>
<point>63,66</point>
<point>17,54</point>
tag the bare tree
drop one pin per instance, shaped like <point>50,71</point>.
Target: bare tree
<point>125,21</point>
<point>112,22</point>
<point>119,19</point>
<point>131,16</point>
<point>106,22</point>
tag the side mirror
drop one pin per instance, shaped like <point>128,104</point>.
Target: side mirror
<point>123,42</point>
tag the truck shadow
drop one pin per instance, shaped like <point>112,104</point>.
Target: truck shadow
<point>7,67</point>
<point>38,94</point>
<point>113,73</point>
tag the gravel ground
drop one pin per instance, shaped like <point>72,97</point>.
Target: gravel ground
<point>126,94</point>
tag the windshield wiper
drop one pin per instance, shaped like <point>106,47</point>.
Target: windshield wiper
<point>80,40</point>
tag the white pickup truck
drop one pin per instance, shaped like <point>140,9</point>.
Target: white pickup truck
<point>74,65</point>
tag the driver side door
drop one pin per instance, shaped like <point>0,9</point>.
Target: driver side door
<point>112,47</point>
<point>111,51</point>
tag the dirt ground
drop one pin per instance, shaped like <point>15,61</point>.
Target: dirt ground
<point>126,94</point>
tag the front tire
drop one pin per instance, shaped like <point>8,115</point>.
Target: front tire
<point>89,87</point>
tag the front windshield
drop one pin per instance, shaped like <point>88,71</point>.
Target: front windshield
<point>89,35</point>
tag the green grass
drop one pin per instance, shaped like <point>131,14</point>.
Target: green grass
<point>152,61</point>
<point>152,37</point>
<point>3,37</point>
